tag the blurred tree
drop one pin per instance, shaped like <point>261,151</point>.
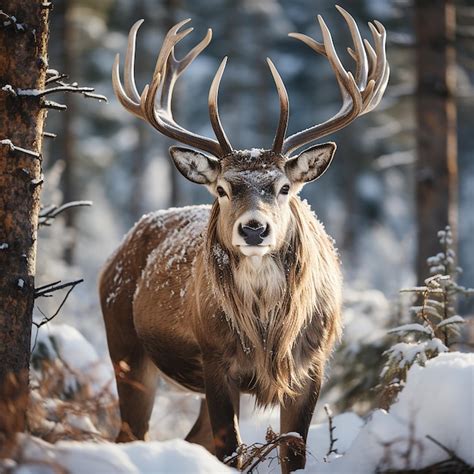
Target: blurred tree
<point>23,65</point>
<point>65,146</point>
<point>171,18</point>
<point>436,166</point>
<point>138,163</point>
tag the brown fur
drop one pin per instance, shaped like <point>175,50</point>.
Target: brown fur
<point>270,323</point>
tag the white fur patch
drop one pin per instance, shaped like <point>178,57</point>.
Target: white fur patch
<point>266,277</point>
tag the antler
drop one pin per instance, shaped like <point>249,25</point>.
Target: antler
<point>154,103</point>
<point>360,94</point>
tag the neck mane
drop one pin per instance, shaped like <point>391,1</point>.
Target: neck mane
<point>271,306</point>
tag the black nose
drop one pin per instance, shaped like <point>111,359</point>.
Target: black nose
<point>253,232</point>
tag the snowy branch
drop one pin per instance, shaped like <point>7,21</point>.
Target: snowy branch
<point>56,79</point>
<point>49,104</point>
<point>9,143</point>
<point>49,135</point>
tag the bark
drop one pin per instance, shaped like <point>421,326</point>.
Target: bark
<point>23,64</point>
<point>436,169</point>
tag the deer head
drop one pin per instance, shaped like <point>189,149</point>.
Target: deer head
<point>253,188</point>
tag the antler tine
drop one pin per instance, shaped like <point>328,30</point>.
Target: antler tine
<point>214,110</point>
<point>175,68</point>
<point>381,71</point>
<point>129,68</point>
<point>360,95</point>
<point>284,109</point>
<point>346,85</point>
<point>154,103</point>
<point>128,97</point>
<point>359,50</point>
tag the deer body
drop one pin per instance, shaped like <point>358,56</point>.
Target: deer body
<point>243,295</point>
<point>159,305</point>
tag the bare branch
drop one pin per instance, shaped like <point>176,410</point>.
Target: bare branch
<point>332,440</point>
<point>51,212</point>
<point>259,452</point>
<point>46,290</point>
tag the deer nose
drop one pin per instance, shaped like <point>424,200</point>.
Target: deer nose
<point>254,232</point>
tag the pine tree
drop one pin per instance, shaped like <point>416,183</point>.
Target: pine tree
<point>436,325</point>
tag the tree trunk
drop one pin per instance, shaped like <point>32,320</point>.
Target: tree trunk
<point>23,64</point>
<point>66,141</point>
<point>436,168</point>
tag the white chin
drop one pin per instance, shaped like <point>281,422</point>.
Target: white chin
<point>254,250</point>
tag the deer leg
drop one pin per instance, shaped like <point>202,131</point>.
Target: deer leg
<point>222,397</point>
<point>295,416</point>
<point>135,374</point>
<point>136,397</point>
<point>136,389</point>
<point>201,432</point>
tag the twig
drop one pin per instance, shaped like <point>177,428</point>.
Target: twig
<point>13,147</point>
<point>54,76</point>
<point>450,452</point>
<point>46,290</point>
<point>51,212</point>
<point>332,439</point>
<point>259,452</point>
<point>49,135</point>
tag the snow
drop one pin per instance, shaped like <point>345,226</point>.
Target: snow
<point>438,401</point>
<point>3,246</point>
<point>174,456</point>
<point>29,92</point>
<point>411,328</point>
<point>407,352</point>
<point>77,353</point>
<point>7,142</point>
<point>456,319</point>
<point>21,283</point>
<point>255,153</point>
<point>8,88</point>
<point>253,427</point>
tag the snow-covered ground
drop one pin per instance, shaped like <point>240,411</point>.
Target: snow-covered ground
<point>437,401</point>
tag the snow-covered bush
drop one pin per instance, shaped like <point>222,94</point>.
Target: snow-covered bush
<point>435,322</point>
<point>72,391</point>
<point>428,427</point>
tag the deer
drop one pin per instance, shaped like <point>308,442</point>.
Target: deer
<point>244,295</point>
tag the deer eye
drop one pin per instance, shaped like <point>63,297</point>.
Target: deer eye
<point>285,189</point>
<point>220,191</point>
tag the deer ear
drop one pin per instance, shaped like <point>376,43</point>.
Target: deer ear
<point>310,164</point>
<point>195,166</point>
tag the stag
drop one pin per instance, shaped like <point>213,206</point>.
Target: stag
<point>243,296</point>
